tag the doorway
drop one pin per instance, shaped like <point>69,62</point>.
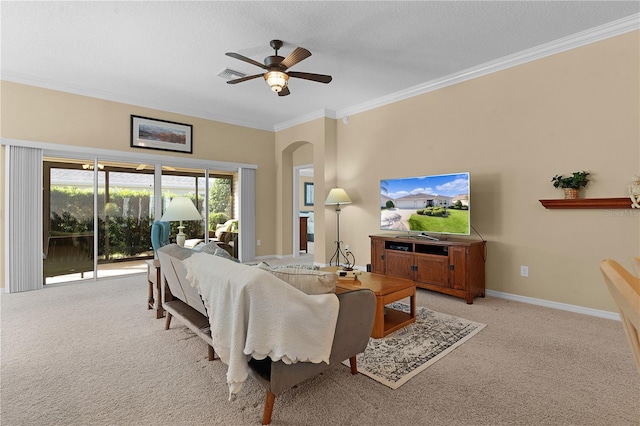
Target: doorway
<point>303,215</point>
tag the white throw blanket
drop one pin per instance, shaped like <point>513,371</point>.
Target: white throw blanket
<point>255,314</point>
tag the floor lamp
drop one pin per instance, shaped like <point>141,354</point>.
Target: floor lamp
<point>181,208</point>
<point>337,197</point>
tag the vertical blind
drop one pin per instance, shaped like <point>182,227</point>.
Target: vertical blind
<point>23,219</point>
<point>247,216</point>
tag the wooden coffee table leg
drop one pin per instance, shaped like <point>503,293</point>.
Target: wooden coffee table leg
<point>378,323</point>
<point>412,305</point>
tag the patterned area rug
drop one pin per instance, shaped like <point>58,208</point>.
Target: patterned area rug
<point>396,358</point>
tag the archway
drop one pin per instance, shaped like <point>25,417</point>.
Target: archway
<point>296,157</point>
<point>318,138</point>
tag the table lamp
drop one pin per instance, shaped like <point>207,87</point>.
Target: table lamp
<point>179,209</point>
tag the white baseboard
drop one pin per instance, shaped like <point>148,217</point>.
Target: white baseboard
<point>555,305</point>
<point>517,298</point>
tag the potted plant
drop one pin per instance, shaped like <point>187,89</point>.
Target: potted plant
<point>571,184</point>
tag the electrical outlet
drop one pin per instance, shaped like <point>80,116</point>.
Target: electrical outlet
<point>524,271</point>
<point>346,248</point>
<point>258,242</point>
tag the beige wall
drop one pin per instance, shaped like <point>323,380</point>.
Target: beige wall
<point>513,130</point>
<point>303,155</point>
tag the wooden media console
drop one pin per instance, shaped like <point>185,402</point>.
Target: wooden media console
<point>452,266</point>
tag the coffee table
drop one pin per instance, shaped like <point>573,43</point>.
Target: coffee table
<point>387,290</point>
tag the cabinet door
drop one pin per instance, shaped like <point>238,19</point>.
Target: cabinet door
<point>399,264</point>
<point>458,268</point>
<point>432,269</point>
<point>377,256</point>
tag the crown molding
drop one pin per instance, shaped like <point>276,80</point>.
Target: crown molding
<point>602,32</point>
<point>323,113</point>
<point>593,35</point>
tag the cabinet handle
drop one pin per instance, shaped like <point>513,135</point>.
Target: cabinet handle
<point>451,267</point>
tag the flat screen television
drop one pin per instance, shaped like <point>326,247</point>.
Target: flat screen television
<point>423,205</point>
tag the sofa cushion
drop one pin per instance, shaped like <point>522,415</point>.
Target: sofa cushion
<point>213,248</point>
<point>223,253</point>
<point>209,247</point>
<point>307,280</point>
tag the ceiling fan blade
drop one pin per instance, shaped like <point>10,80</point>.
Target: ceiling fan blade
<point>240,80</point>
<point>284,92</point>
<point>245,59</point>
<point>320,78</point>
<point>299,54</point>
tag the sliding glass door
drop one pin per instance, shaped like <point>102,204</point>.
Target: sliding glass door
<point>68,220</point>
<point>216,207</point>
<point>97,215</point>
<point>125,214</point>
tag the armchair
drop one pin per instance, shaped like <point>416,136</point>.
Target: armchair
<point>229,226</point>
<point>625,290</point>
<point>159,235</point>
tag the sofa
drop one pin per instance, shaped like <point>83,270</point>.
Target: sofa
<point>353,325</point>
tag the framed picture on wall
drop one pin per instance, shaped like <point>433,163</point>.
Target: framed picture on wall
<point>308,193</point>
<point>150,133</point>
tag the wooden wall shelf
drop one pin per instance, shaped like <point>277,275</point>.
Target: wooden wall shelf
<point>588,203</point>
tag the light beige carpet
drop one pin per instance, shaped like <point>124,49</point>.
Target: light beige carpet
<point>89,353</point>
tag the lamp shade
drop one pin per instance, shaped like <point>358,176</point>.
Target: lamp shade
<point>276,80</point>
<point>181,208</point>
<point>337,196</point>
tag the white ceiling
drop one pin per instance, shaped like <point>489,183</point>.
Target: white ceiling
<point>167,55</point>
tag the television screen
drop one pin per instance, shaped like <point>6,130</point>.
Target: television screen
<point>426,204</point>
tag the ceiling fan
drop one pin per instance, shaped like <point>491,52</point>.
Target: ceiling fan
<point>276,67</point>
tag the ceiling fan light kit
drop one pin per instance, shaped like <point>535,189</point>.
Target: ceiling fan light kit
<point>276,80</point>
<point>276,66</point>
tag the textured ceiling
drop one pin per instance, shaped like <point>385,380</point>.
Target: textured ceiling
<point>167,55</point>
